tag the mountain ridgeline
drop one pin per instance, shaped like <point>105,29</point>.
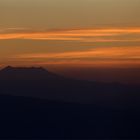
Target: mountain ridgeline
<point>36,103</point>
<point>38,82</point>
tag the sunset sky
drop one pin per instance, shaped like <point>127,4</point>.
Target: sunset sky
<point>80,33</point>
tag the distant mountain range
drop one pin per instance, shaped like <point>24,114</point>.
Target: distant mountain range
<point>36,104</point>
<point>38,82</point>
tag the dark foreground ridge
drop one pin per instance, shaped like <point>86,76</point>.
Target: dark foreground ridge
<point>36,103</point>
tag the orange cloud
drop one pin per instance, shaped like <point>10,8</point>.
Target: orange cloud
<point>112,53</point>
<point>115,57</point>
<point>94,64</point>
<point>86,35</point>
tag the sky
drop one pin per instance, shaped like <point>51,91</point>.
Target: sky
<point>70,33</point>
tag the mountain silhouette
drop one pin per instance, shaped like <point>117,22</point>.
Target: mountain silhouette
<point>25,73</point>
<point>36,103</point>
<point>39,82</point>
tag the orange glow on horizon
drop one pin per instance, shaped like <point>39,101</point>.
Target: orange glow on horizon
<point>118,53</point>
<point>97,57</point>
<point>105,56</point>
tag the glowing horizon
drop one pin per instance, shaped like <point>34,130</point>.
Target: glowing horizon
<point>83,33</point>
